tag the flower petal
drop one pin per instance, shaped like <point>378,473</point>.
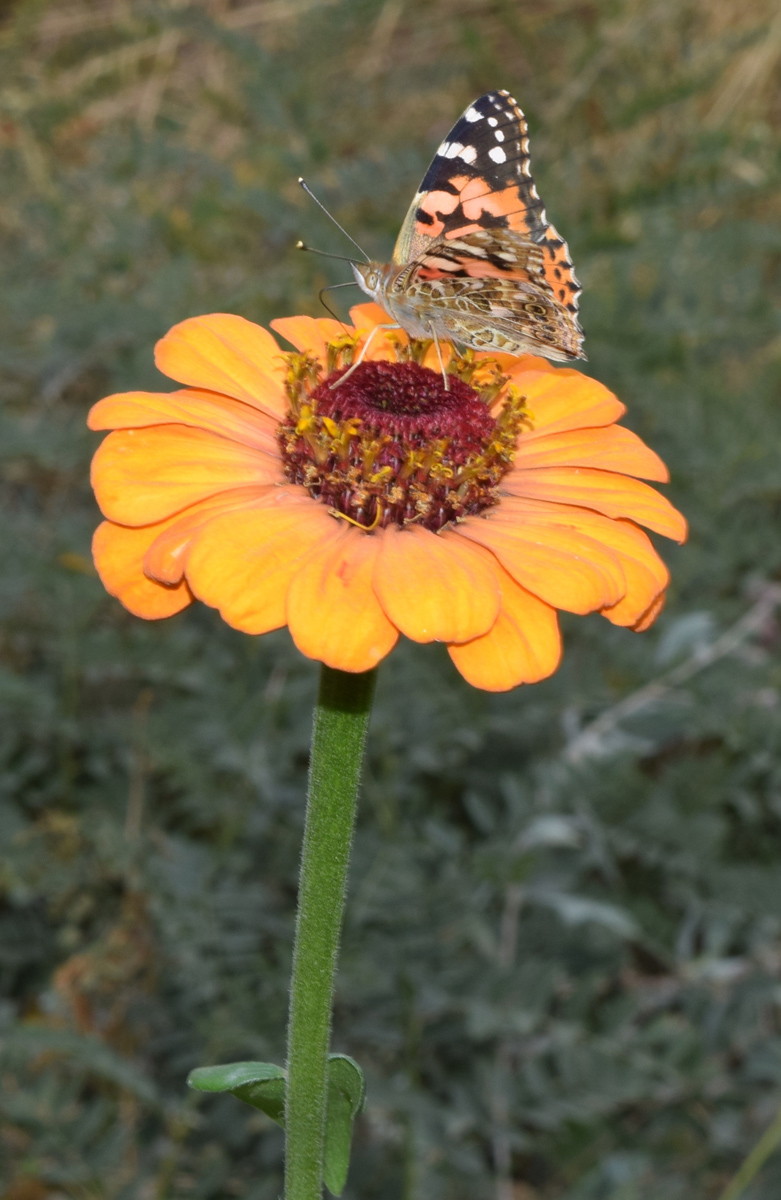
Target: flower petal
<point>430,358</point>
<point>332,611</point>
<point>167,557</point>
<point>610,449</point>
<point>225,353</point>
<point>242,563</point>
<point>366,316</point>
<point>202,410</point>
<point>523,646</point>
<point>435,587</point>
<point>603,491</point>
<point>119,557</point>
<point>564,399</point>
<point>648,618</point>
<point>645,574</point>
<point>561,565</point>
<point>515,365</point>
<point>309,335</point>
<point>145,475</point>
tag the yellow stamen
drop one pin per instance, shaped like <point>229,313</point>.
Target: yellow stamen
<point>366,528</point>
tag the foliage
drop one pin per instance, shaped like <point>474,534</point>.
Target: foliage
<point>562,971</point>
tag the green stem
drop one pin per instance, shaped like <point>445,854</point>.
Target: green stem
<point>753,1164</point>
<point>338,739</point>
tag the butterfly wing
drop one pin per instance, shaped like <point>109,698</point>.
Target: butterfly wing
<point>488,289</point>
<point>479,181</point>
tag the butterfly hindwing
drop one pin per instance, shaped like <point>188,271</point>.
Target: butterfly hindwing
<point>489,290</point>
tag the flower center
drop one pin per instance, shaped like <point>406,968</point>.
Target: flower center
<point>408,402</point>
<point>386,443</point>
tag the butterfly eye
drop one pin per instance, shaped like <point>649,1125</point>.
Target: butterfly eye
<point>538,309</point>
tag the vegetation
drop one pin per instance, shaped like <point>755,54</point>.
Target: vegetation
<point>562,963</point>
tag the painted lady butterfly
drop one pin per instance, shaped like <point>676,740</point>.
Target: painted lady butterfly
<point>476,261</point>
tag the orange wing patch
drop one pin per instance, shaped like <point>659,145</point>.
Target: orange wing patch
<point>559,271</point>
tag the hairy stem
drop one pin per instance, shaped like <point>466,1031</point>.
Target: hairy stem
<point>338,739</point>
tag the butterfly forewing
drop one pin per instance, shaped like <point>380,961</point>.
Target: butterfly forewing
<point>479,175</point>
<point>478,217</point>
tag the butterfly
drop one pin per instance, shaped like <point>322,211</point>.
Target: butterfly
<point>476,261</point>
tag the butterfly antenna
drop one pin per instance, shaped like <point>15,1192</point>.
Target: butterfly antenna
<point>325,253</point>
<point>327,307</point>
<point>320,205</point>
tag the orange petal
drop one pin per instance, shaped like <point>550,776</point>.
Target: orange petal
<point>516,365</point>
<point>610,449</point>
<point>644,572</point>
<point>563,399</point>
<point>613,495</point>
<point>119,558</point>
<point>332,611</point>
<point>144,475</point>
<point>167,557</point>
<point>309,334</point>
<point>225,353</point>
<point>242,563</point>
<point>435,587</point>
<point>523,646</point>
<point>648,618</point>
<point>561,565</point>
<point>431,358</point>
<point>646,575</point>
<point>366,316</point>
<point>202,410</point>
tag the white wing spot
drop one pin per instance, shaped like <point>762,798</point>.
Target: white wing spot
<point>492,121</point>
<point>497,154</point>
<point>468,154</point>
<point>472,114</point>
<point>443,149</point>
<point>454,149</point>
<point>498,135</point>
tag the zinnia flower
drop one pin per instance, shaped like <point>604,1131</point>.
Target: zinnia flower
<point>390,503</point>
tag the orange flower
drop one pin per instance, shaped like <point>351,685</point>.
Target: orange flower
<point>388,504</point>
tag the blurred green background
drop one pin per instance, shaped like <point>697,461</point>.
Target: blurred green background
<point>562,960</point>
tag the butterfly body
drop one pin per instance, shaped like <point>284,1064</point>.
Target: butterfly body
<point>476,261</point>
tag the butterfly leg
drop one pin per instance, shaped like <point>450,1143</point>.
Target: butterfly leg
<point>445,380</point>
<point>362,355</point>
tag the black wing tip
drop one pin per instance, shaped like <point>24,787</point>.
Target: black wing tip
<point>493,96</point>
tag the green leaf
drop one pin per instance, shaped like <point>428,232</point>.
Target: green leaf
<point>263,1086</point>
<point>260,1084</point>
<point>346,1094</point>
